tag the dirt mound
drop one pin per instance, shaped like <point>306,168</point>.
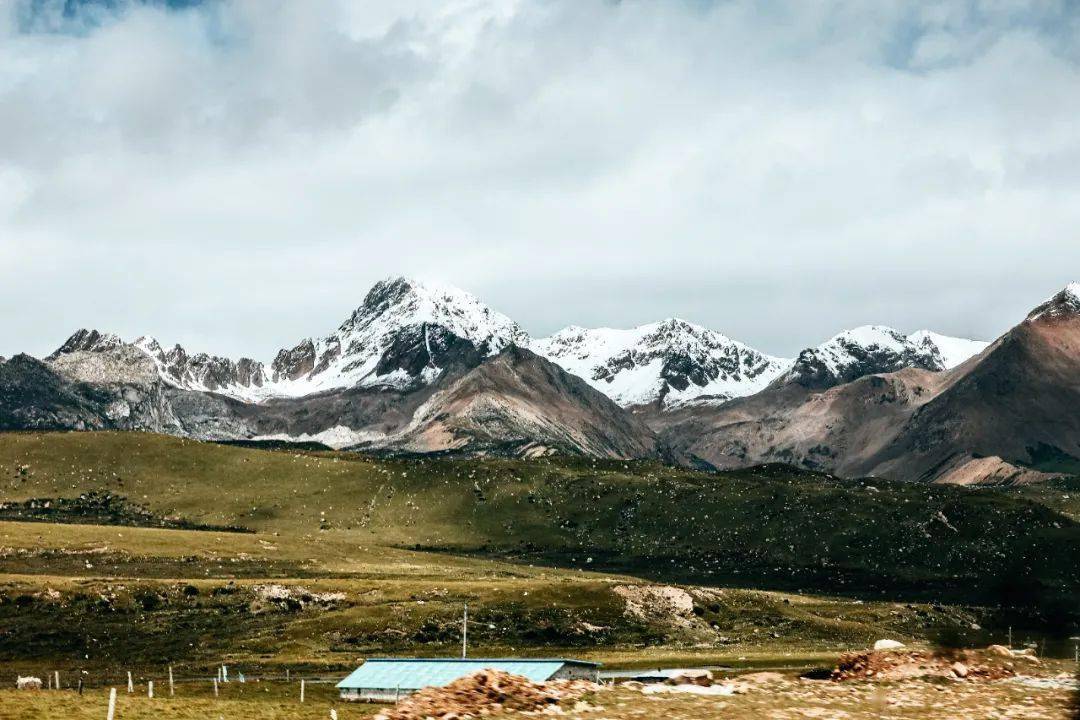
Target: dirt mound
<point>483,693</point>
<point>899,665</point>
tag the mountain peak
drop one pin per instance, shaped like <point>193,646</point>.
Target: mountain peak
<point>1065,302</point>
<point>873,349</point>
<point>88,340</point>
<point>407,301</point>
<point>670,362</point>
<point>405,331</point>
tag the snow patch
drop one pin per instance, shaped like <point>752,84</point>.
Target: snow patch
<point>337,437</point>
<point>953,350</point>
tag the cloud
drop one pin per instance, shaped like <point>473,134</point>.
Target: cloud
<point>234,174</point>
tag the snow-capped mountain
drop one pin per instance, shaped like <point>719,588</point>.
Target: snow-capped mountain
<point>405,332</point>
<point>1066,302</point>
<point>995,416</point>
<point>873,349</point>
<point>671,362</point>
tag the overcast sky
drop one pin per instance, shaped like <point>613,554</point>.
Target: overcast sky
<point>234,174</point>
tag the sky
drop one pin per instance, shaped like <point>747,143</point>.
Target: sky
<point>233,175</point>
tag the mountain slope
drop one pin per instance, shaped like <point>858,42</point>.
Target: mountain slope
<point>113,389</point>
<point>1017,401</point>
<point>780,527</point>
<point>519,401</point>
<point>1020,401</point>
<point>668,363</point>
<point>511,403</point>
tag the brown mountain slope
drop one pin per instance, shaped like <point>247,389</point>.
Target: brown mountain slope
<point>513,403</point>
<point>521,403</point>
<point>1018,402</point>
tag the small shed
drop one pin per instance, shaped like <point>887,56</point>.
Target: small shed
<point>388,679</point>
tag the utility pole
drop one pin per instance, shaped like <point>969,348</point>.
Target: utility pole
<point>465,632</point>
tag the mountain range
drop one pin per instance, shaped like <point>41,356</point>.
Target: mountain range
<point>420,368</point>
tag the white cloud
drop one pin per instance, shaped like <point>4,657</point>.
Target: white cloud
<point>234,176</point>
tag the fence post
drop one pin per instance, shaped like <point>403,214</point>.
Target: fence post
<point>215,688</point>
<point>171,692</point>
<point>150,689</point>
<point>80,685</point>
<point>131,685</point>
<point>57,683</point>
<point>301,690</point>
<point>112,704</point>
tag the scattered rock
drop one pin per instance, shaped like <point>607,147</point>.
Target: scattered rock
<point>486,692</point>
<point>902,665</point>
<point>999,650</point>
<point>290,598</point>
<point>888,645</point>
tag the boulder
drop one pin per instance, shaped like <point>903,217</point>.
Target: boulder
<point>959,669</point>
<point>28,683</point>
<point>999,650</point>
<point>703,678</point>
<point>888,645</point>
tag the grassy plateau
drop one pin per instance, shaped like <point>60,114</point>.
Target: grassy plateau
<point>136,552</point>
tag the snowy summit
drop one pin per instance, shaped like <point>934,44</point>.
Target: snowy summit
<point>871,349</point>
<point>1065,302</point>
<point>669,362</point>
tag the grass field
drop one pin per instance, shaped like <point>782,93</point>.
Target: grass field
<point>348,556</point>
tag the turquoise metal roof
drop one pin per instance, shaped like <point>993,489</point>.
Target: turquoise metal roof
<point>416,673</point>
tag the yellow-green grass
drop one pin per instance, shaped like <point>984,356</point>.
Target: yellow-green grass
<point>774,528</point>
<point>535,547</point>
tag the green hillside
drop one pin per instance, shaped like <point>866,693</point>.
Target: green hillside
<point>537,548</point>
<point>772,527</point>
